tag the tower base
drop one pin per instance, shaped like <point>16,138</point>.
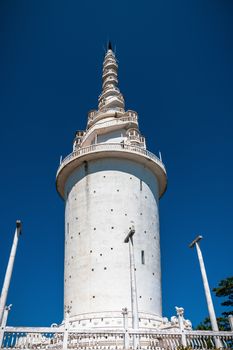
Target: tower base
<point>113,320</point>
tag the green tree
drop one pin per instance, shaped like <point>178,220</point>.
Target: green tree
<point>224,290</point>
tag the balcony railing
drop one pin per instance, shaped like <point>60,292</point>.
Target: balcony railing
<point>59,338</point>
<point>110,147</point>
<point>94,115</point>
<point>128,118</point>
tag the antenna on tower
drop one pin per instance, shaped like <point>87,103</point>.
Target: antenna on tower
<point>109,45</point>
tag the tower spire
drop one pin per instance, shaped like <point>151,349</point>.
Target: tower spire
<point>109,45</point>
<point>111,97</point>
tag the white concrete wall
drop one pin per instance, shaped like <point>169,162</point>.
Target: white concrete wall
<point>112,137</point>
<point>103,197</point>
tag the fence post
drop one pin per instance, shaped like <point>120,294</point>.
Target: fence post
<point>126,326</point>
<point>180,314</point>
<point>230,319</point>
<point>65,336</point>
<point>3,325</point>
<point>66,328</point>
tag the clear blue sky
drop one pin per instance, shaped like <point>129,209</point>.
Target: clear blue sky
<point>176,71</point>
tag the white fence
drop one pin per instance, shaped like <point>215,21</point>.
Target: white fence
<point>58,338</point>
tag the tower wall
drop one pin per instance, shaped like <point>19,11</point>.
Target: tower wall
<point>102,199</point>
<point>111,185</point>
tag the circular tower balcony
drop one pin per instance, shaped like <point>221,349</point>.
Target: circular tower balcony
<point>110,150</point>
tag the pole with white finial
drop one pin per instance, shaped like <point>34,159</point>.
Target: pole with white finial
<point>9,270</point>
<point>210,305</point>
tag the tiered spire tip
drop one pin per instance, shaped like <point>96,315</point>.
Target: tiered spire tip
<point>111,97</point>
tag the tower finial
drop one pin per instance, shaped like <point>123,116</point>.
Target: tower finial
<point>111,97</point>
<point>109,45</point>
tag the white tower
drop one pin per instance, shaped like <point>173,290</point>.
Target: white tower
<point>109,181</point>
